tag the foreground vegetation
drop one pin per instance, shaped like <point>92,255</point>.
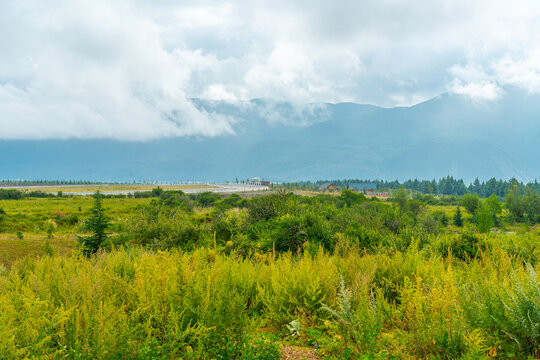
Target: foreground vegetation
<point>206,277</point>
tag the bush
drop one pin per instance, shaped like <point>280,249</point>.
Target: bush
<point>508,308</point>
<point>267,207</point>
<point>350,198</point>
<point>365,237</point>
<point>206,199</point>
<point>233,201</point>
<point>430,224</point>
<point>163,227</point>
<point>358,323</point>
<point>264,347</point>
<point>11,194</point>
<point>143,194</point>
<point>471,203</point>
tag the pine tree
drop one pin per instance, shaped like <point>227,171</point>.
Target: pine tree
<point>97,224</point>
<point>458,219</point>
<point>2,215</point>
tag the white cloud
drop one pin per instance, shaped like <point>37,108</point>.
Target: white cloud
<point>483,90</point>
<point>127,69</point>
<point>94,70</point>
<point>205,16</point>
<point>524,73</point>
<point>218,92</point>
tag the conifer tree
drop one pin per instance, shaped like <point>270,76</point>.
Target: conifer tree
<point>458,218</point>
<point>97,224</point>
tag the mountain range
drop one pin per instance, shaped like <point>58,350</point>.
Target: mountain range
<point>279,141</point>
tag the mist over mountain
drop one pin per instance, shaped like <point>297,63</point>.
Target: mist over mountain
<point>447,135</point>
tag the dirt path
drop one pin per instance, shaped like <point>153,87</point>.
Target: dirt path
<point>299,353</point>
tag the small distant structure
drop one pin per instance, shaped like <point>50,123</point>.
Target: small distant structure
<point>369,189</point>
<point>258,182</point>
<point>254,181</point>
<point>362,187</point>
<point>327,187</point>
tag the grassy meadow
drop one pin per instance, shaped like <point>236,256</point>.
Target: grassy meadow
<point>212,277</point>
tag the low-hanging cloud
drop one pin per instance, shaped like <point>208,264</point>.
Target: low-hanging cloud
<point>92,69</point>
<point>127,69</point>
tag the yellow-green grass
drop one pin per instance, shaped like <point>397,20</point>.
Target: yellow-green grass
<point>12,248</point>
<point>29,214</point>
<point>113,187</point>
<point>68,205</point>
<point>35,218</point>
<point>140,304</point>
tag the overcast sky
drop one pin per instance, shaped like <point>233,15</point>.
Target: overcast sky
<point>127,69</point>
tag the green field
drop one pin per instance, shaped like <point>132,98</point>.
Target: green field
<point>281,275</point>
<point>32,218</point>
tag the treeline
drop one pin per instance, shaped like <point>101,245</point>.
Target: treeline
<point>444,186</point>
<point>50,182</point>
<point>14,194</point>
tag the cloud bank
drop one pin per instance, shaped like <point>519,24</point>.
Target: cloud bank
<point>127,69</point>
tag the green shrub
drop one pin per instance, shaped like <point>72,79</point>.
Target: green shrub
<point>508,308</point>
<point>358,323</point>
<point>465,246</point>
<point>163,227</point>
<point>349,198</point>
<point>267,207</point>
<point>264,347</point>
<point>206,198</point>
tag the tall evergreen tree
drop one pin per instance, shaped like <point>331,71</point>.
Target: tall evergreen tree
<point>458,217</point>
<point>97,224</point>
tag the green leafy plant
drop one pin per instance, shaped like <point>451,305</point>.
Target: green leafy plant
<point>295,328</point>
<point>264,347</point>
<point>358,325</point>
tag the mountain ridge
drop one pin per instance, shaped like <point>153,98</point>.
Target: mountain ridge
<point>446,135</point>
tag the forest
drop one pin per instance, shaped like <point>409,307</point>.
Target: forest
<point>444,186</point>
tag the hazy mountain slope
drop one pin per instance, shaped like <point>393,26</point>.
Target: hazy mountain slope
<point>447,135</point>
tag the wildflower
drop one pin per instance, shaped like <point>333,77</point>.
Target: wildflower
<point>492,352</point>
<point>338,337</point>
<point>229,243</point>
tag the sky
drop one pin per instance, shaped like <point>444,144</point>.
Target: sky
<point>127,70</point>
